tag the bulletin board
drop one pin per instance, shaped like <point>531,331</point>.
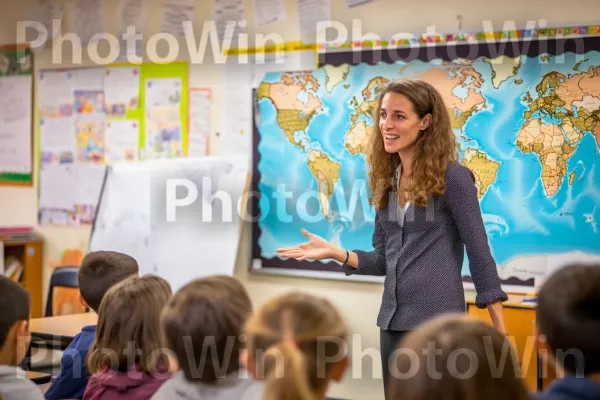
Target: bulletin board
<point>93,117</point>
<point>16,121</point>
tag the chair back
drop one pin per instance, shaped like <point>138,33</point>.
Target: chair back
<point>67,277</point>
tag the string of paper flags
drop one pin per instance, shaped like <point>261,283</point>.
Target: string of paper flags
<point>469,37</point>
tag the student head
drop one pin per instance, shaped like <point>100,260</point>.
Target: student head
<point>128,333</point>
<point>455,357</point>
<point>14,322</point>
<point>411,119</point>
<point>568,320</point>
<point>296,343</point>
<point>99,271</point>
<point>202,327</point>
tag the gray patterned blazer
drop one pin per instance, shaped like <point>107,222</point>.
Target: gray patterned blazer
<point>422,260</point>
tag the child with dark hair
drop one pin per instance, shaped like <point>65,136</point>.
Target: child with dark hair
<point>14,341</point>
<point>568,331</point>
<point>202,326</point>
<point>99,271</point>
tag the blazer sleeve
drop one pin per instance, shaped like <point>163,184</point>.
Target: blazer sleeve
<point>370,262</point>
<point>461,196</point>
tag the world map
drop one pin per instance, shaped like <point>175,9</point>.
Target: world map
<point>528,128</point>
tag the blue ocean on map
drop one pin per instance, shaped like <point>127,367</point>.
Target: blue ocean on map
<point>521,216</point>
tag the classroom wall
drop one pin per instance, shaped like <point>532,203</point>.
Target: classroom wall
<point>359,302</point>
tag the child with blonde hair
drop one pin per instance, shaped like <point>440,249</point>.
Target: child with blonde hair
<point>126,359</point>
<point>455,357</point>
<point>296,344</point>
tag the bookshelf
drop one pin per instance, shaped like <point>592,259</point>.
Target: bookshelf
<point>26,247</point>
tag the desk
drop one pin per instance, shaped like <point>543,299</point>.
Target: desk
<point>520,325</point>
<point>39,378</point>
<point>62,328</point>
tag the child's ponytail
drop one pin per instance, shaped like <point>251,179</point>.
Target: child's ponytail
<point>286,378</point>
<point>290,340</point>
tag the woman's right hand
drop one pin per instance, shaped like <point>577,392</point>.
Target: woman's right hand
<point>316,248</point>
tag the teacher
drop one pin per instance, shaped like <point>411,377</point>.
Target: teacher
<point>427,213</point>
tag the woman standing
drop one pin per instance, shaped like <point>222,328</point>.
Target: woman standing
<point>427,213</point>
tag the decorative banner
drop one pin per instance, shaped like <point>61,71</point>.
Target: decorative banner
<point>469,37</point>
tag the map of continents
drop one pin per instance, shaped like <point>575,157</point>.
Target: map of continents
<point>528,128</point>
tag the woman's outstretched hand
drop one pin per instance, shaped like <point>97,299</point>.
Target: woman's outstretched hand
<point>316,248</point>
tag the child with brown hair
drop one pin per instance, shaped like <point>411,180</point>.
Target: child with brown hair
<point>455,357</point>
<point>203,327</point>
<point>297,345</point>
<point>98,272</point>
<point>126,359</point>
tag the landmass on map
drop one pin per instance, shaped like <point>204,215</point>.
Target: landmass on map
<point>452,76</point>
<point>589,218</point>
<point>335,75</point>
<point>572,177</point>
<point>361,119</point>
<point>368,104</point>
<point>573,104</point>
<point>548,141</point>
<point>483,167</point>
<point>327,173</point>
<point>293,115</point>
<point>357,138</point>
<point>503,68</point>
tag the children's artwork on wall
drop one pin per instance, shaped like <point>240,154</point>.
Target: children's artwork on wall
<point>94,117</point>
<point>16,115</point>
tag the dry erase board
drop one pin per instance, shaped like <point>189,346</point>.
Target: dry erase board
<point>179,218</point>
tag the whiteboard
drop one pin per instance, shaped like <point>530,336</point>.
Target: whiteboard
<point>179,218</point>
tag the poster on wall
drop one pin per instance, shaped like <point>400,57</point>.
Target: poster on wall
<point>90,118</point>
<point>16,112</point>
<point>163,118</point>
<point>526,115</point>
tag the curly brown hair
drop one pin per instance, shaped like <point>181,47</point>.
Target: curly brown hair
<point>436,147</point>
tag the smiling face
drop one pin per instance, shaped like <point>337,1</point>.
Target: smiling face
<point>399,124</point>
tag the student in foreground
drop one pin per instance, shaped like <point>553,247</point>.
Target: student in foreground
<point>202,327</point>
<point>14,341</point>
<point>297,345</point>
<point>126,359</point>
<point>568,332</point>
<point>99,271</point>
<point>455,357</point>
